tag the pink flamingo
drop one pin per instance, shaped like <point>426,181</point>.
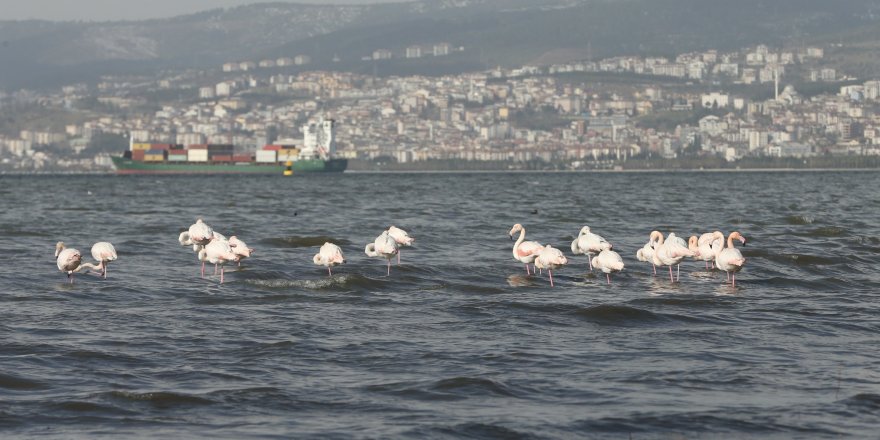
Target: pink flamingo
<point>669,253</point>
<point>550,258</point>
<point>69,260</point>
<point>646,253</point>
<point>710,245</point>
<point>104,253</point>
<point>590,244</point>
<point>240,249</point>
<point>217,252</point>
<point>330,255</point>
<point>401,237</point>
<point>608,262</point>
<point>731,259</point>
<point>524,251</point>
<point>383,247</point>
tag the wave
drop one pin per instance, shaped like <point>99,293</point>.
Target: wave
<point>471,430</point>
<point>301,242</point>
<point>162,399</point>
<point>868,402</point>
<point>800,219</point>
<point>825,231</point>
<point>11,382</point>
<point>456,388</point>
<point>336,282</point>
<point>795,259</point>
<point>741,422</point>
<point>607,314</point>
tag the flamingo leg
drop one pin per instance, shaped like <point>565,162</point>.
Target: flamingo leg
<point>677,271</point>
<point>734,280</point>
<point>655,269</point>
<point>104,270</point>
<point>670,274</point>
<point>389,267</point>
<point>728,276</point>
<point>215,268</point>
<point>551,277</point>
<point>527,269</point>
<point>221,274</point>
<point>608,277</point>
<point>329,272</point>
<point>590,260</point>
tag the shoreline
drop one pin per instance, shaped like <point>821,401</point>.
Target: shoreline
<point>706,170</point>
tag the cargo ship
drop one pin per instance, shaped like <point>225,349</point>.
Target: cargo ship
<point>314,155</point>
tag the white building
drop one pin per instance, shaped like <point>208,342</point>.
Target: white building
<point>414,52</point>
<point>441,49</point>
<point>206,93</point>
<point>715,99</point>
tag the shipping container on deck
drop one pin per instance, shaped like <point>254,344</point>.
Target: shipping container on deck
<point>197,147</point>
<point>221,147</point>
<point>154,156</point>
<point>222,158</point>
<point>267,156</point>
<point>140,146</point>
<point>272,148</point>
<point>138,155</point>
<point>288,152</point>
<point>178,157</point>
<point>164,147</point>
<point>197,155</point>
<point>243,158</point>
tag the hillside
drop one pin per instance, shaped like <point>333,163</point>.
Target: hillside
<point>493,32</point>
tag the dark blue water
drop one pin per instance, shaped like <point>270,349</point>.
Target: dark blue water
<point>458,342</point>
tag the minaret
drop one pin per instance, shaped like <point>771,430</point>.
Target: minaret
<point>776,82</point>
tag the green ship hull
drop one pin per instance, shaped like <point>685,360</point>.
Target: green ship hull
<point>128,166</point>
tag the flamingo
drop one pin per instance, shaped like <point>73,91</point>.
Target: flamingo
<point>69,260</point>
<point>384,247</point>
<point>550,258</point>
<point>401,237</point>
<point>608,261</point>
<point>330,255</point>
<point>678,242</point>
<point>217,252</point>
<point>646,253</point>
<point>199,233</point>
<point>590,244</point>
<point>668,252</point>
<point>710,244</point>
<point>524,251</point>
<point>239,248</point>
<point>693,246</point>
<point>731,259</point>
<point>103,252</point>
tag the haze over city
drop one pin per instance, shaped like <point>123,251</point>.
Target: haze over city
<point>102,10</point>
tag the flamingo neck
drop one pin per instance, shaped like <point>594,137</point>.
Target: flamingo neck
<point>522,237</point>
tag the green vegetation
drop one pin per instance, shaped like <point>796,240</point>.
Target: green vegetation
<point>36,117</point>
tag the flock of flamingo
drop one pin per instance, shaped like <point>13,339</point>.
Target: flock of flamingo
<point>213,247</point>
<point>657,251</point>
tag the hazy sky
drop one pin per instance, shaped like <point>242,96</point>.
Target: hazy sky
<point>126,9</point>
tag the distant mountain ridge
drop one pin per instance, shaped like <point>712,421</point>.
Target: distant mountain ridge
<point>502,32</point>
